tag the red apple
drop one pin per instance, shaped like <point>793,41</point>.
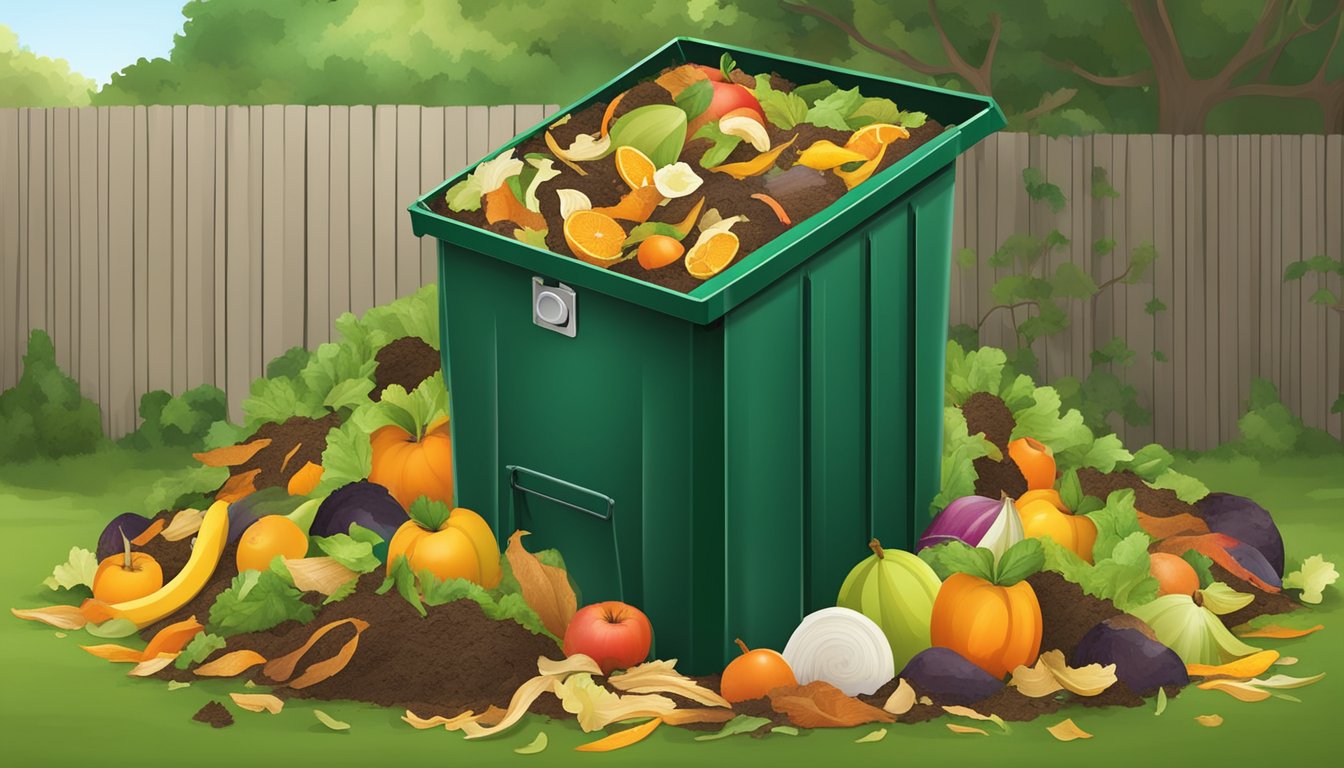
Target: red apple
<point>615,635</point>
<point>730,96</point>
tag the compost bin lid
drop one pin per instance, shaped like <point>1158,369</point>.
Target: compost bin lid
<point>968,117</point>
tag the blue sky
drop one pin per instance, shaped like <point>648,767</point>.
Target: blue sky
<point>97,37</point>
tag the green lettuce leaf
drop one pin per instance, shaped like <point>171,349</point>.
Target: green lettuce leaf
<point>497,607</point>
<point>1123,578</point>
<point>199,649</point>
<point>76,571</point>
<point>784,110</point>
<point>874,110</point>
<point>1312,577</point>
<point>257,601</point>
<point>723,144</point>
<point>348,457</point>
<point>1104,454</point>
<point>1187,488</point>
<point>738,725</point>
<point>1203,565</point>
<point>831,111</point>
<point>1114,522</point>
<point>1043,421</point>
<point>403,578</point>
<point>354,550</point>
<point>960,450</point>
<point>1150,462</point>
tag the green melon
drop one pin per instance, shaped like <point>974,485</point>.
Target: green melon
<point>896,590</point>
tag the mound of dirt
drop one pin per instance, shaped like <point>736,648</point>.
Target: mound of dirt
<point>294,442</point>
<point>407,362</point>
<point>214,714</point>
<point>199,606</point>
<point>1067,613</point>
<point>1151,501</point>
<point>170,555</point>
<point>986,413</point>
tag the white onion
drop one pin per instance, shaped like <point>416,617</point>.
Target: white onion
<point>842,647</point>
<point>572,201</point>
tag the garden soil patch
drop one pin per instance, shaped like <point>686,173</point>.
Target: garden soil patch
<point>214,714</point>
<point>294,442</point>
<point>451,661</point>
<point>170,555</point>
<point>986,413</point>
<point>406,361</point>
<point>1067,613</point>
<point>1265,603</point>
<point>802,192</point>
<point>994,478</point>
<point>1150,501</point>
<point>1011,705</point>
<point>760,708</point>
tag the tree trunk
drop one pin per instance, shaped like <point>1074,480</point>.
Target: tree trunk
<point>1332,107</point>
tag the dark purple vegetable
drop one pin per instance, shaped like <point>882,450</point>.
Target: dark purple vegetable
<point>1141,662</point>
<point>1243,519</point>
<point>268,501</point>
<point>1252,560</point>
<point>947,677</point>
<point>965,519</point>
<point>366,503</point>
<point>109,541</point>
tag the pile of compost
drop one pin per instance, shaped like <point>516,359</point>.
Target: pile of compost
<point>406,361</point>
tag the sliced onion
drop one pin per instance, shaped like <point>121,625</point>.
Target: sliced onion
<point>572,201</point>
<point>842,647</point>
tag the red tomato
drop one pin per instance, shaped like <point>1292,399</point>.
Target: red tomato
<point>730,96</point>
<point>615,635</point>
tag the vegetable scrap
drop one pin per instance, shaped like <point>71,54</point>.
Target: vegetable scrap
<point>1067,730</point>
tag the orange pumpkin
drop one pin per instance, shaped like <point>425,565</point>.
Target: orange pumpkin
<point>1036,462</point>
<point>1043,514</point>
<point>456,544</point>
<point>409,467</point>
<point>996,628</point>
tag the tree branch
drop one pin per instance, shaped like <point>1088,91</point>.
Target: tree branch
<point>1009,307</point>
<point>1306,89</point>
<point>1305,28</point>
<point>1254,45</point>
<point>858,37</point>
<point>1135,80</point>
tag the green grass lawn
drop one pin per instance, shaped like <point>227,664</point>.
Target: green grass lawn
<point>60,706</point>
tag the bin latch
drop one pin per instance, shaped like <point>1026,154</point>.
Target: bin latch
<point>555,307</point>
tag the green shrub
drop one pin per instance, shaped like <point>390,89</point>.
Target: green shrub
<point>1269,429</point>
<point>44,415</point>
<point>178,422</point>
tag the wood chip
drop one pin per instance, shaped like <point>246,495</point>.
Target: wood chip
<point>1068,731</point>
<point>59,616</point>
<point>1280,633</point>
<point>230,664</point>
<point>258,702</point>
<point>1209,721</point>
<point>185,523</point>
<point>901,700</point>
<point>953,727</point>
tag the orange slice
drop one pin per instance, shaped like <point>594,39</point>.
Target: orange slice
<point>634,167</point>
<point>594,237</point>
<point>712,256</point>
<point>870,139</point>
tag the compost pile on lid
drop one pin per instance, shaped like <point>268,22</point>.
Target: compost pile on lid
<point>679,177</point>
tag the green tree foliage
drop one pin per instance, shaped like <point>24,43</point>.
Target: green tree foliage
<point>433,51</point>
<point>29,80</point>
<point>44,415</point>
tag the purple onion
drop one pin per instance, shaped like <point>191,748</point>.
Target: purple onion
<point>966,519</point>
<point>109,541</point>
<point>1246,521</point>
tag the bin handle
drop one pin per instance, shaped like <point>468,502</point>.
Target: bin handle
<point>513,471</point>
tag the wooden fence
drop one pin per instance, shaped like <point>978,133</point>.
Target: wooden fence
<point>164,247</point>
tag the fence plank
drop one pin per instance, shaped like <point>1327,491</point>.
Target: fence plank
<point>1214,176</point>
<point>338,215</point>
<point>1295,292</point>
<point>1178,305</point>
<point>384,200</point>
<point>272,209</point>
<point>10,251</point>
<point>431,174</point>
<point>158,299</point>
<point>88,244</point>
<point>361,210</point>
<point>1163,395</point>
<point>140,253</point>
<point>407,189</point>
<point>120,271</point>
<point>238,299</point>
<point>317,247</point>
<point>35,254</point>
<point>293,332</point>
<point>1333,200</point>
<point>179,257</point>
<point>199,243</point>
<point>58,220</point>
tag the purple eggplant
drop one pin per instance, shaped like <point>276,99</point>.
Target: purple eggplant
<point>109,541</point>
<point>1246,521</point>
<point>947,677</point>
<point>1141,662</point>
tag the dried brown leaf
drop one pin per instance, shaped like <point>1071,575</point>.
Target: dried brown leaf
<point>1068,731</point>
<point>567,666</point>
<point>953,727</point>
<point>527,693</point>
<point>821,705</point>
<point>901,700</point>
<point>545,588</point>
<point>258,702</point>
<point>319,574</point>
<point>662,677</point>
<point>232,455</point>
<point>150,666</point>
<point>59,616</point>
<point>1084,681</point>
<point>238,486</point>
<point>699,715</point>
<point>281,669</point>
<point>1036,681</point>
<point>185,523</point>
<point>230,664</point>
<point>1209,721</point>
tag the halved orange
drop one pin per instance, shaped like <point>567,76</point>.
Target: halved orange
<point>594,237</point>
<point>870,139</point>
<point>711,257</point>
<point>634,167</point>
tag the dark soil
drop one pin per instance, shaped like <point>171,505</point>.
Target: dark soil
<point>761,708</point>
<point>993,478</point>
<point>730,197</point>
<point>294,443</point>
<point>988,414</point>
<point>1150,501</point>
<point>170,555</point>
<point>406,361</point>
<point>1010,704</point>
<point>1265,603</point>
<point>1067,613</point>
<point>215,714</point>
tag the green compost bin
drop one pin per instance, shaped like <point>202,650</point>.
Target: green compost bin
<point>721,458</point>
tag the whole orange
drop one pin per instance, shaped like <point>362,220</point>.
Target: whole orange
<point>754,674</point>
<point>270,536</point>
<point>128,576</point>
<point>657,251</point>
<point>1174,575</point>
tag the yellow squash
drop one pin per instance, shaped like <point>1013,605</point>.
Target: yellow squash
<point>210,541</point>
